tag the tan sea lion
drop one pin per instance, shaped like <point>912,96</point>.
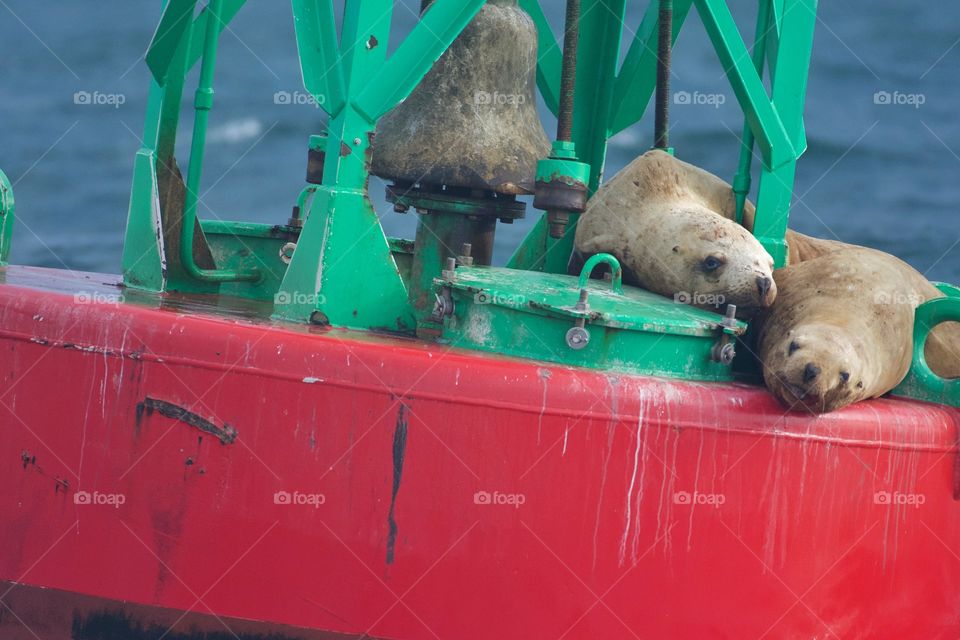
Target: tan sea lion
<point>842,330</point>
<point>657,175</point>
<point>671,243</point>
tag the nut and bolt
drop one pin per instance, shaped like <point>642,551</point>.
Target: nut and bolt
<point>465,259</point>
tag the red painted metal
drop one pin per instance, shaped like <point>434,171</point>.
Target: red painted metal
<point>529,501</point>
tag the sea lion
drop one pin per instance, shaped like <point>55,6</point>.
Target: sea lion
<point>841,330</point>
<point>671,243</point>
<point>656,173</point>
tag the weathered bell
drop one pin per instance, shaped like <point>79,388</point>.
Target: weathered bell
<point>472,121</point>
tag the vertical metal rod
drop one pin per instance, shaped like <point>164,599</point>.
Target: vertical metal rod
<point>742,180</point>
<point>203,102</point>
<point>568,72</point>
<point>661,126</point>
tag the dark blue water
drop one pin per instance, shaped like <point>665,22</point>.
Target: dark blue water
<point>885,175</point>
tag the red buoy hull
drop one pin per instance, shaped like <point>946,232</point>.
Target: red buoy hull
<point>206,474</point>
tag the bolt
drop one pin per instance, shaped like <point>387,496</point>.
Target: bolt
<point>730,319</point>
<point>582,302</point>
<point>465,258</point>
<point>577,338</point>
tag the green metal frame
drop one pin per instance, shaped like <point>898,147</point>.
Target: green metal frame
<point>610,100</point>
<point>343,271</point>
<point>7,211</point>
<point>351,78</point>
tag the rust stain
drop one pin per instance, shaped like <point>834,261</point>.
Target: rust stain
<point>226,434</point>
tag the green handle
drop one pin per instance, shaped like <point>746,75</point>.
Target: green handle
<point>921,382</point>
<point>949,290</point>
<point>614,266</point>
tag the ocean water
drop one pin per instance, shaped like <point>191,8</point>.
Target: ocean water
<point>880,172</point>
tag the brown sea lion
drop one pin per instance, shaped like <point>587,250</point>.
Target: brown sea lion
<point>842,330</point>
<point>671,243</point>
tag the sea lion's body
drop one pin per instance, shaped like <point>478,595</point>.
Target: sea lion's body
<point>842,329</point>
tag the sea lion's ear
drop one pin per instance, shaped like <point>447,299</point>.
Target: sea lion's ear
<point>794,345</point>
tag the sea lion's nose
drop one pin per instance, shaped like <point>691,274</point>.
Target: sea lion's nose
<point>763,286</point>
<point>810,372</point>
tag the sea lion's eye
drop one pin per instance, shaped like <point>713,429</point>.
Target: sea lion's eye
<point>712,263</point>
<point>844,377</point>
<point>793,347</point>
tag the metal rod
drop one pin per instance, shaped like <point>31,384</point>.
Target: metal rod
<point>203,102</point>
<point>661,126</point>
<point>568,72</point>
<point>742,180</point>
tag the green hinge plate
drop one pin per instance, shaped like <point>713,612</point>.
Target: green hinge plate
<point>529,314</point>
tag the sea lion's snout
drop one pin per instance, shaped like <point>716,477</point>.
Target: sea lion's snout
<point>812,371</point>
<point>767,290</point>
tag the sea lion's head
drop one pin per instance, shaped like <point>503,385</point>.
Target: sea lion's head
<point>710,262</point>
<point>816,367</point>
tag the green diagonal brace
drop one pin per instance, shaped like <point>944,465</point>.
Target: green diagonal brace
<point>319,56</point>
<point>177,17</point>
<point>549,56</point>
<point>637,79</point>
<point>775,145</point>
<point>229,11</point>
<point>435,31</point>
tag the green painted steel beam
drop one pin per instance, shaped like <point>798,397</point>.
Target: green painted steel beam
<point>7,217</point>
<point>789,89</point>
<point>226,14</point>
<point>549,56</point>
<point>761,114</point>
<point>316,33</point>
<point>203,103</point>
<point>636,81</point>
<point>175,23</point>
<point>343,272</point>
<point>436,30</point>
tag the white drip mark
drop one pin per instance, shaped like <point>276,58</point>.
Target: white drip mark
<point>633,480</point>
<point>544,376</point>
<point>566,432</point>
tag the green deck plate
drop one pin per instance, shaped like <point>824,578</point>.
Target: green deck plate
<point>528,314</point>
